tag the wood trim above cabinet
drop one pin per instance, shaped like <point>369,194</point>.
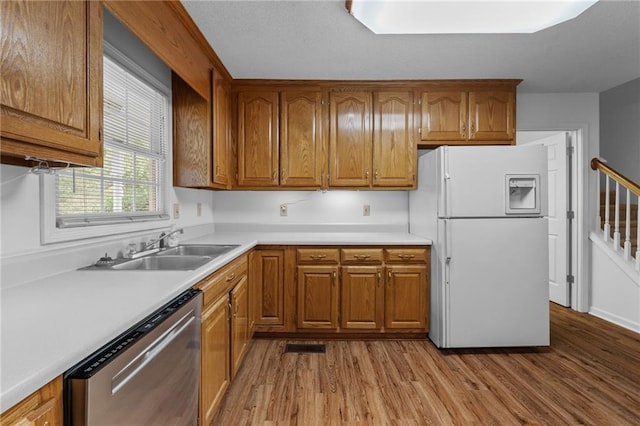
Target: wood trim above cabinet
<point>168,32</point>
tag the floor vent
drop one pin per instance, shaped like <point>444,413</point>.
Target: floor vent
<point>305,348</point>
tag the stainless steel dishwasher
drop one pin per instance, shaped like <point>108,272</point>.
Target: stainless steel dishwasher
<point>149,375</point>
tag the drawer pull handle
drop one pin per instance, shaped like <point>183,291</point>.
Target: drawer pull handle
<point>362,256</point>
<point>318,256</point>
<point>231,277</point>
<point>406,256</point>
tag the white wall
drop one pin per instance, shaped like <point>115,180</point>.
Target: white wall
<point>615,295</point>
<point>571,111</point>
<point>324,210</point>
<point>20,229</point>
<point>620,128</point>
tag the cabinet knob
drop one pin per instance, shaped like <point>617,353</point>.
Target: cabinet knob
<point>231,277</point>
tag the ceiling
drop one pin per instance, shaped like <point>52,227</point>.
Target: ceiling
<point>596,51</point>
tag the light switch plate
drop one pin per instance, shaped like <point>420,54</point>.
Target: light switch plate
<point>283,210</point>
<point>366,210</point>
<point>199,209</point>
<point>176,210</point>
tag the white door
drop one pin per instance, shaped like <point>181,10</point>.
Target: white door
<point>496,283</point>
<point>559,288</point>
<point>474,178</point>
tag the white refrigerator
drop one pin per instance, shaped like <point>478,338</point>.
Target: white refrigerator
<point>485,209</point>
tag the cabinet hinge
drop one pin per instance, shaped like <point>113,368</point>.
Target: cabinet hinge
<point>570,279</point>
<point>419,130</point>
<point>571,215</point>
<point>570,150</point>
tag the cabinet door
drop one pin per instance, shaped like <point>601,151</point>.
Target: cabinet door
<point>444,116</point>
<point>317,297</point>
<point>214,364</point>
<point>191,138</point>
<point>491,116</point>
<point>301,151</point>
<point>221,129</point>
<point>350,139</point>
<point>239,324</point>
<point>405,297</point>
<point>51,80</point>
<point>362,298</point>
<point>267,279</point>
<point>394,149</point>
<point>43,407</point>
<point>258,139</point>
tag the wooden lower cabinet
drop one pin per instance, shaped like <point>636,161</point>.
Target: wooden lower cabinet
<point>406,297</point>
<point>266,274</point>
<point>317,297</point>
<point>215,375</point>
<point>380,289</point>
<point>41,408</point>
<point>362,298</point>
<point>239,323</point>
<point>225,333</point>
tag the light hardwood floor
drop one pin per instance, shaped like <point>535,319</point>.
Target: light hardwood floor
<point>590,375</point>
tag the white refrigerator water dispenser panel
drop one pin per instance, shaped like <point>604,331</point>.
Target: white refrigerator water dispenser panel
<point>522,194</point>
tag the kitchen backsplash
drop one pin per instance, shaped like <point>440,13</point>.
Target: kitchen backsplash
<point>311,210</point>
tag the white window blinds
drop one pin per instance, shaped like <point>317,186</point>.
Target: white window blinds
<point>129,186</point>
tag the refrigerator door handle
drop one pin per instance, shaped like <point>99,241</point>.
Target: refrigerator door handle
<point>447,251</point>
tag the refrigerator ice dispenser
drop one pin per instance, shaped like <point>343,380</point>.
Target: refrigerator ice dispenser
<point>522,194</point>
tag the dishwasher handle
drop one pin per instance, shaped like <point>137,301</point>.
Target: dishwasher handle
<point>150,352</point>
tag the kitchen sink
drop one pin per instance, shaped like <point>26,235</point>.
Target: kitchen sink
<point>164,263</point>
<point>211,250</point>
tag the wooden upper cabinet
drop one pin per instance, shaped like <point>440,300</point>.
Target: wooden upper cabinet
<point>221,100</point>
<point>301,142</point>
<point>258,139</point>
<point>394,143</point>
<point>191,137</point>
<point>491,115</point>
<point>444,116</point>
<point>350,139</point>
<point>51,81</point>
<point>477,115</point>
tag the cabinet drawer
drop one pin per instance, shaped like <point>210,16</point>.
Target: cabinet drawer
<point>221,281</point>
<point>361,255</point>
<point>318,255</point>
<point>407,255</point>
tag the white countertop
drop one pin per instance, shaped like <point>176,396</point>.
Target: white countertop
<point>51,324</point>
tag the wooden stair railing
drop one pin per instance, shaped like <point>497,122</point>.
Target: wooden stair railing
<point>622,203</point>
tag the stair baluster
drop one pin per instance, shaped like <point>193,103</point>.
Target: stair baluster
<point>616,229</point>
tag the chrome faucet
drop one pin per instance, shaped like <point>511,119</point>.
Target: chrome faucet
<point>161,239</point>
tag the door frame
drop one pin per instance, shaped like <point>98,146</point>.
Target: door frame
<point>579,249</point>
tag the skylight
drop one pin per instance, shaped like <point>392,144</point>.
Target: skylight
<point>464,16</point>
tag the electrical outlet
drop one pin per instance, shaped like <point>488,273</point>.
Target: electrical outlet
<point>176,210</point>
<point>199,209</point>
<point>366,210</point>
<point>283,210</point>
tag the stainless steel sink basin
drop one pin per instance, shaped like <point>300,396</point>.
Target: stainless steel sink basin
<point>211,250</point>
<point>164,263</point>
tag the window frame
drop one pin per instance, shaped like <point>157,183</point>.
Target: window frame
<point>51,233</point>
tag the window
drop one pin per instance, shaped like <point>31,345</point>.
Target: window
<point>132,185</point>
